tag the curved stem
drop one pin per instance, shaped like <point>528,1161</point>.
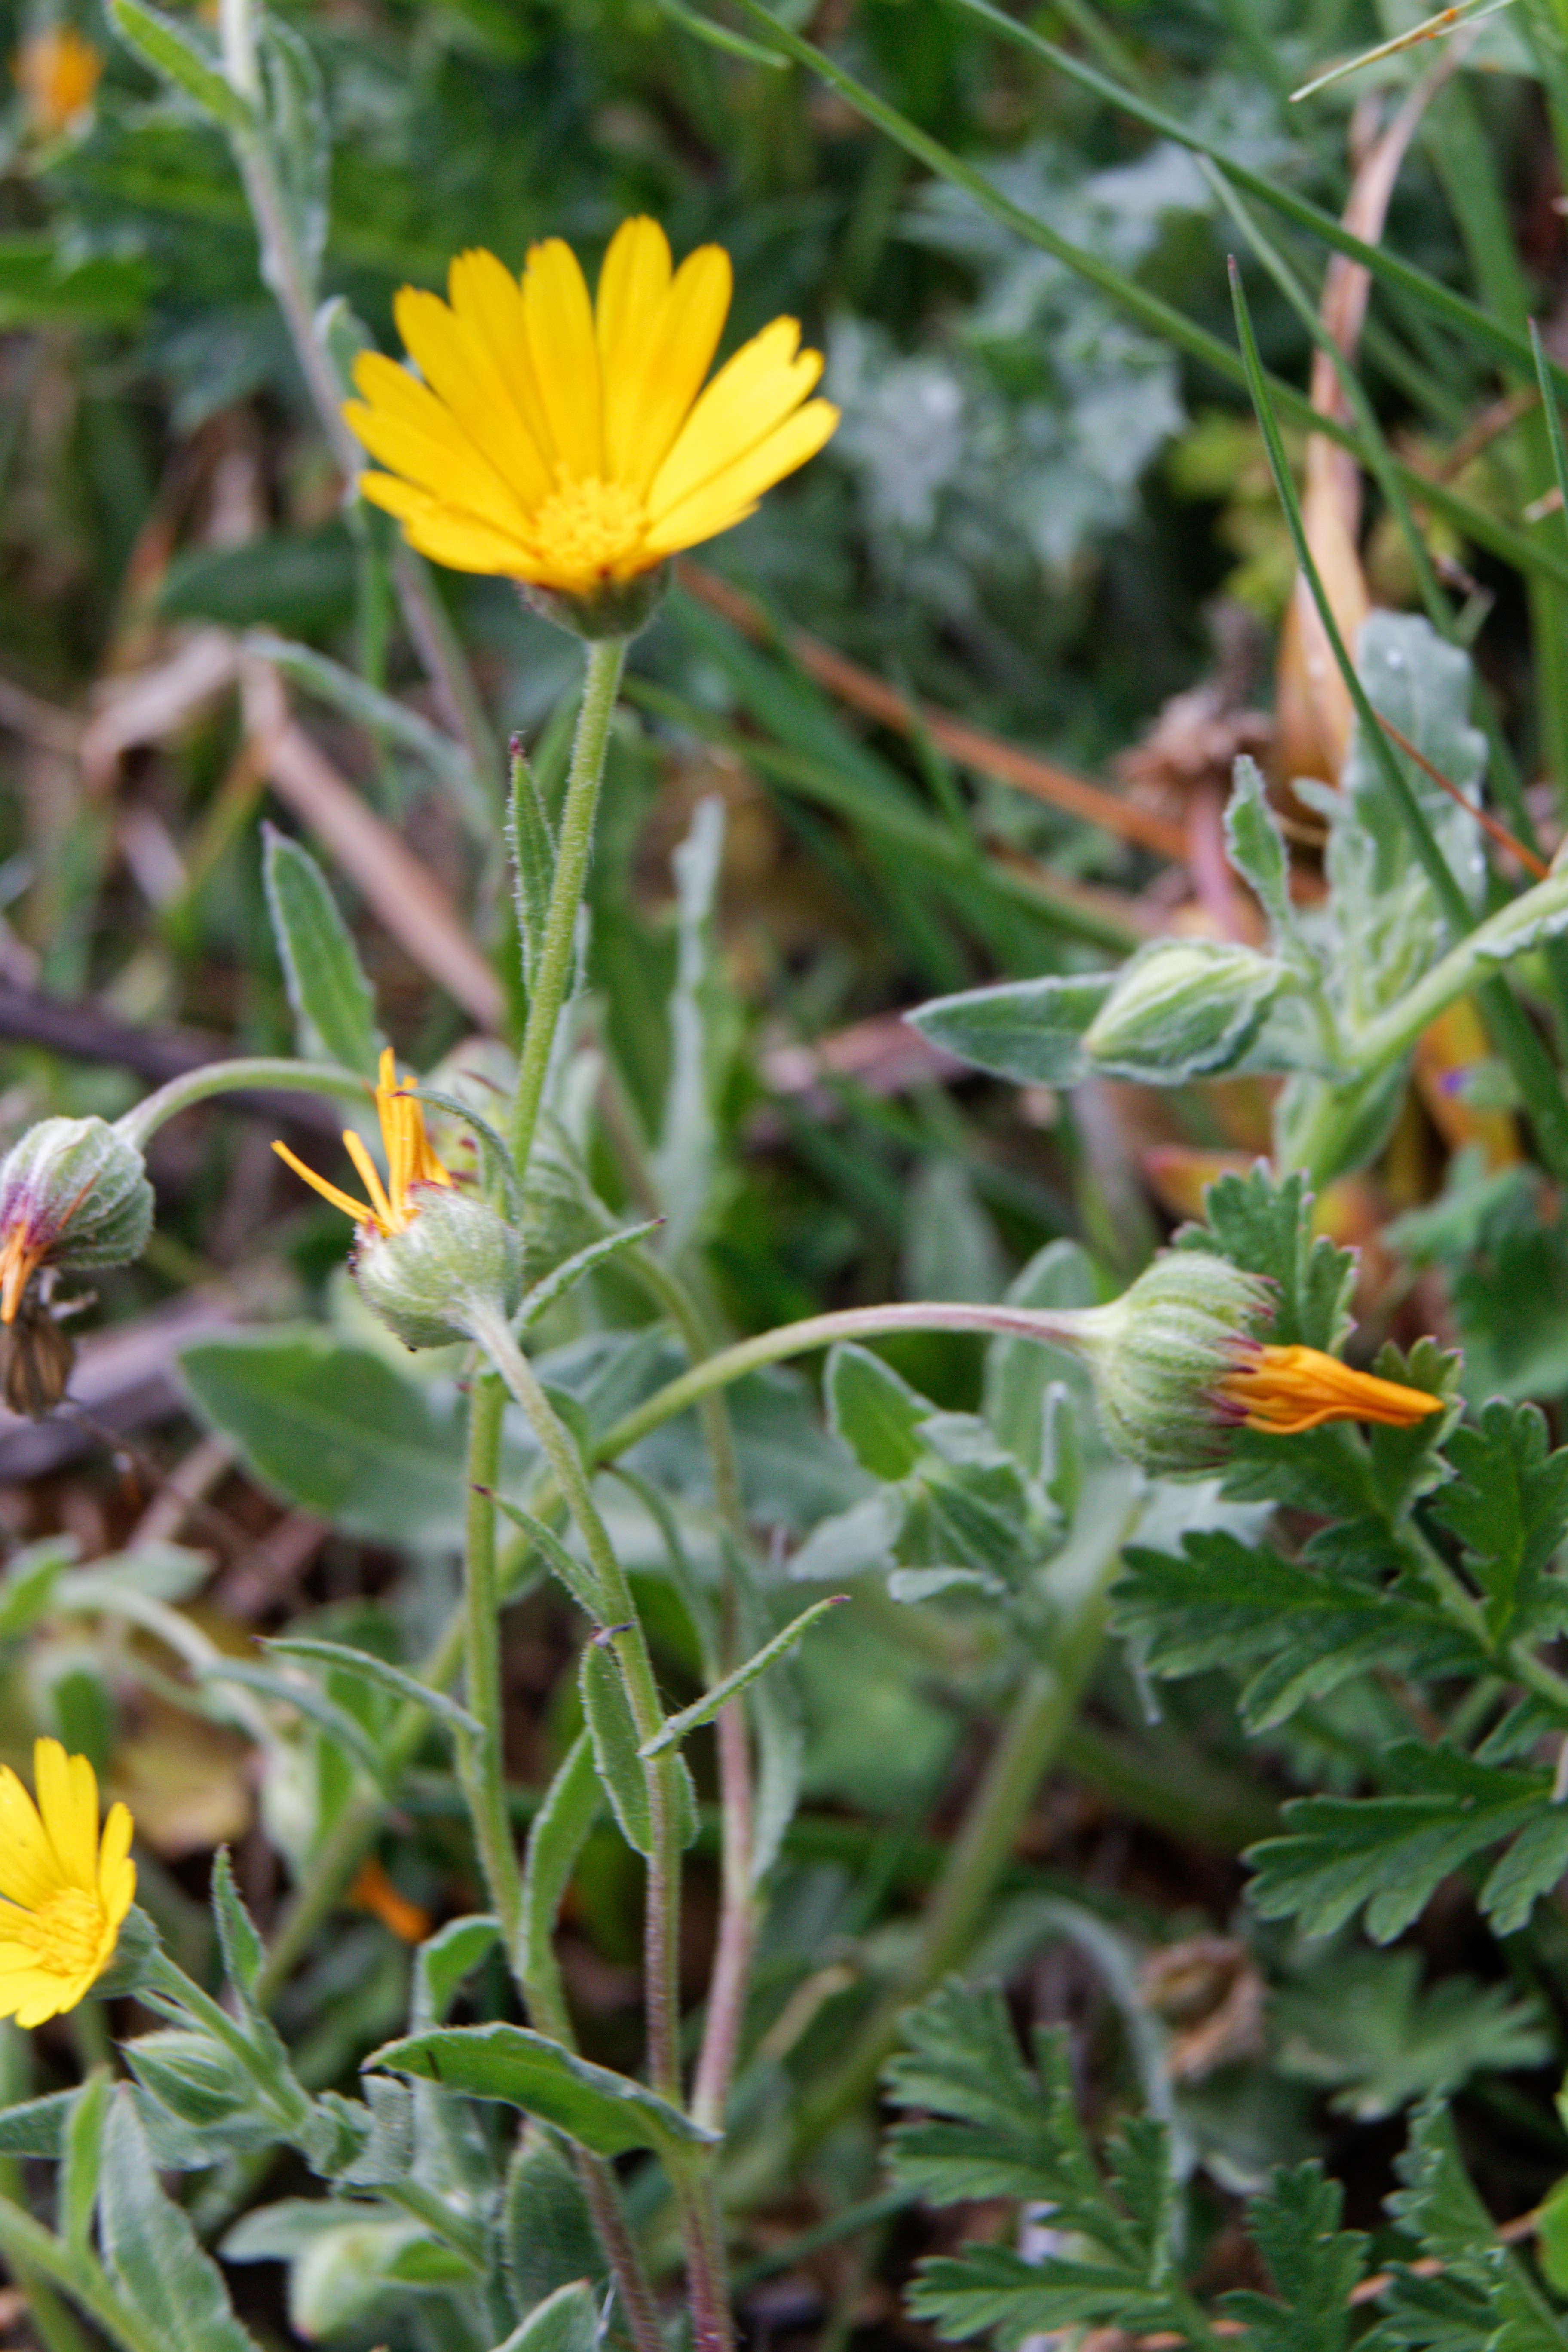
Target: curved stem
<point>250,1072</point>
<point>1061,1327</point>
<point>574,842</point>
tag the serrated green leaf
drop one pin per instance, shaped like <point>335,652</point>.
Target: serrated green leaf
<point>1389,1852</point>
<point>1030,1031</point>
<point>177,57</point>
<point>1509,1508</point>
<point>1360,2024</point>
<point>1265,1226</point>
<point>606,2112</point>
<point>1314,2263</point>
<point>1291,1633</point>
<point>149,2250</point>
<point>704,1709</point>
<point>332,1001</point>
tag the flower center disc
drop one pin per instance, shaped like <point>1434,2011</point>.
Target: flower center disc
<point>586,526</point>
<point>66,1930</point>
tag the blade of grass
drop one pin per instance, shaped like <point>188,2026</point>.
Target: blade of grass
<point>1510,1029</point>
<point>1162,318</point>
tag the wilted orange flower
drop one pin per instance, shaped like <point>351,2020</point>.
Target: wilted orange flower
<point>57,72</point>
<point>64,1894</point>
<point>567,443</point>
<point>1287,1390</point>
<point>410,1160</point>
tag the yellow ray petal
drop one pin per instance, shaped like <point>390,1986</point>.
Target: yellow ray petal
<point>443,460</point>
<point>27,1873</point>
<point>358,1210</point>
<point>116,1871</point>
<point>68,1805</point>
<point>566,355</point>
<point>463,544</point>
<point>750,396</point>
<point>369,1175</point>
<point>633,283</point>
<point>732,494</point>
<point>488,299</point>
<point>675,358</point>
<point>457,365</point>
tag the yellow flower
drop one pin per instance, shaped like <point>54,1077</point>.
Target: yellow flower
<point>65,1893</point>
<point>57,72</point>
<point>1290,1388</point>
<point>569,445</point>
<point>410,1161</point>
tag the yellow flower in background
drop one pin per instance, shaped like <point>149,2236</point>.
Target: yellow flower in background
<point>410,1160</point>
<point>569,444</point>
<point>58,73</point>
<point>1287,1390</point>
<point>65,1893</point>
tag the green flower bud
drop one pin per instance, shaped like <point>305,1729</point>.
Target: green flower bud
<point>454,1249</point>
<point>1181,1007</point>
<point>619,608</point>
<point>73,1193</point>
<point>1158,1354</point>
<point>195,2078</point>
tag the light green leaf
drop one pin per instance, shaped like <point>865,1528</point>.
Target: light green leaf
<point>177,57</point>
<point>332,1001</point>
<point>566,2321</point>
<point>608,1713</point>
<point>877,1414</point>
<point>704,1709</point>
<point>570,1807</point>
<point>576,1574</point>
<point>151,2251</point>
<point>605,2112</point>
<point>243,1953</point>
<point>548,2238</point>
<point>685,1161</point>
<point>1183,1009</point>
<point>372,1669</point>
<point>37,2127</point>
<point>81,2172</point>
<point>337,1429</point>
<point>444,1959</point>
<point>1027,1030</point>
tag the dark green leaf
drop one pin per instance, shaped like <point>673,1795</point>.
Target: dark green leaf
<point>1314,2263</point>
<point>1509,1508</point>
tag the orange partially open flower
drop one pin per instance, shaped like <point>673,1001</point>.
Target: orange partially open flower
<point>569,444</point>
<point>1287,1390</point>
<point>57,72</point>
<point>64,1892</point>
<point>410,1161</point>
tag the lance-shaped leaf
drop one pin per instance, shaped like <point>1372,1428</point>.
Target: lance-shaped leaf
<point>605,2112</point>
<point>177,57</point>
<point>331,998</point>
<point>704,1709</point>
<point>347,1660</point>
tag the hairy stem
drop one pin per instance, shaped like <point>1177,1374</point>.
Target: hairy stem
<point>246,1073</point>
<point>481,1758</point>
<point>622,1634</point>
<point>574,842</point>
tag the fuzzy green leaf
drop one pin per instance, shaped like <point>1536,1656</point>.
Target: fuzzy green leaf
<point>1509,1508</point>
<point>605,2112</point>
<point>332,1001</point>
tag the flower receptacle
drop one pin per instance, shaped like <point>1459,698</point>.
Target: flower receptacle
<point>456,1251</point>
